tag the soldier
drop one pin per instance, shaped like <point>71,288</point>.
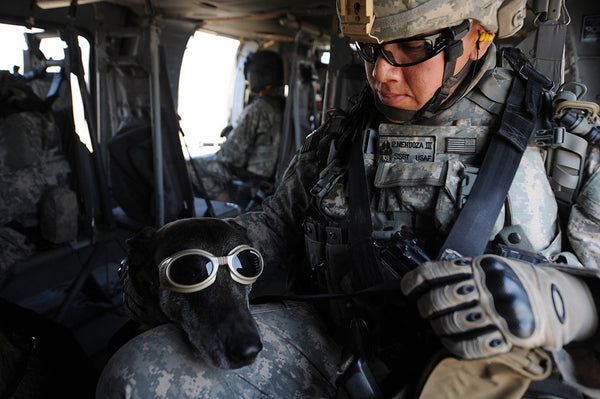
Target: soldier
<point>252,146</point>
<point>517,321</point>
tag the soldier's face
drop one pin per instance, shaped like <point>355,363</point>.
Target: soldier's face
<point>411,87</point>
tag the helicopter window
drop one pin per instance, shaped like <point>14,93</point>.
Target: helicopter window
<point>206,87</point>
<point>16,57</point>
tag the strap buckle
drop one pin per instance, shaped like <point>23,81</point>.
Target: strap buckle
<point>550,138</point>
<point>469,175</point>
<point>326,178</point>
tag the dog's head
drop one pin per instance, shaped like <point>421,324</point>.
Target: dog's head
<point>216,319</point>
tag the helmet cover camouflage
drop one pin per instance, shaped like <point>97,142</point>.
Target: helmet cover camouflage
<point>384,20</point>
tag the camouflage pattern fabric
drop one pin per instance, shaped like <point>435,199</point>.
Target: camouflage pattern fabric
<point>22,178</point>
<point>583,230</point>
<point>22,163</point>
<point>253,145</point>
<point>214,175</point>
<point>14,247</point>
<point>392,19</point>
<point>298,360</point>
<point>31,160</point>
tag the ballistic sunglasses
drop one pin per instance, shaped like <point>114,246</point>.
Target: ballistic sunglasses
<point>406,52</point>
<point>193,270</point>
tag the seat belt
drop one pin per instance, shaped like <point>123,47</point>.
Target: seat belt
<point>365,260</point>
<point>471,231</point>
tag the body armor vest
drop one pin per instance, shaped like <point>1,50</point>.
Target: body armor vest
<point>419,177</point>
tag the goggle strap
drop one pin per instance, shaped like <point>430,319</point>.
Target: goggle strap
<point>459,31</point>
<point>454,50</point>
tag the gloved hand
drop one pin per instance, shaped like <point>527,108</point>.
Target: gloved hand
<point>482,306</point>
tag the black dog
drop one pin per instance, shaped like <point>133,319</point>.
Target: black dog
<point>216,319</point>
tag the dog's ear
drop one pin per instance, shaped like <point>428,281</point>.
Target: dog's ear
<point>140,280</point>
<point>140,247</point>
<point>140,254</point>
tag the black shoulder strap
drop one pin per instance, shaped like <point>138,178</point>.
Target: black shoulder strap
<point>473,227</point>
<point>364,258</point>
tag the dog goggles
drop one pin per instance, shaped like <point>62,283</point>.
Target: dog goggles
<point>193,270</point>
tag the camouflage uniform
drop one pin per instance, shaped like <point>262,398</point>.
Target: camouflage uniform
<point>252,146</point>
<point>312,202</point>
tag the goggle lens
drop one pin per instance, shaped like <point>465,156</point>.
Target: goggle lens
<point>247,263</point>
<point>190,269</point>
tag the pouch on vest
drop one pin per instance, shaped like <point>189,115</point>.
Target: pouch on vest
<point>421,167</point>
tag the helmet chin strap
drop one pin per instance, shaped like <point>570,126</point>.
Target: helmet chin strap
<point>432,106</point>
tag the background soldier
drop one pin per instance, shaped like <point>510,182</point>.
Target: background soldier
<point>252,146</point>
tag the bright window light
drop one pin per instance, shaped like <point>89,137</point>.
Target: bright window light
<point>205,88</point>
<point>12,47</point>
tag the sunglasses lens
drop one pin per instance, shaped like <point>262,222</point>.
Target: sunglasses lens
<point>408,52</point>
<point>403,52</point>
<point>247,263</point>
<point>190,269</point>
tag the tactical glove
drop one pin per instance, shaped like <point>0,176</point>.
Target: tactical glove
<point>482,306</point>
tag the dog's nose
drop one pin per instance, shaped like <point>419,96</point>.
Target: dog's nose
<point>245,352</point>
<point>251,351</point>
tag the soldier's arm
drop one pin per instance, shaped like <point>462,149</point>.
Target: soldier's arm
<point>241,140</point>
<point>584,220</point>
<point>277,229</point>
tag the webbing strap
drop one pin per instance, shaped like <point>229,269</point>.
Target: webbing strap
<point>364,258</point>
<point>473,227</point>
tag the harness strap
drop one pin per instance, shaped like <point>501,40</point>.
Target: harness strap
<point>365,261</point>
<point>472,229</point>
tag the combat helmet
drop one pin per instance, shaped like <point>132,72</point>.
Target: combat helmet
<point>384,20</point>
<point>262,69</point>
<point>372,22</point>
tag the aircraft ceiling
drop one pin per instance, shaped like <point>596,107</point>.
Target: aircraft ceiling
<point>254,19</point>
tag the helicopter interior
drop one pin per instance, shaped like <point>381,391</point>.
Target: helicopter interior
<point>67,272</point>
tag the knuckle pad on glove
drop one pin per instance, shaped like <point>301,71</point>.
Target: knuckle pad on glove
<point>510,297</point>
<point>483,345</point>
<point>430,274</point>
<point>448,297</point>
<point>460,321</point>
